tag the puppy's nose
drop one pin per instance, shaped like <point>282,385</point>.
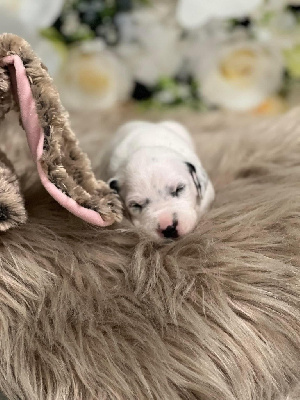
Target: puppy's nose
<point>170,232</point>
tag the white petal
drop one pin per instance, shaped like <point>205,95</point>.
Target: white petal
<point>41,13</point>
<point>35,14</point>
<point>11,24</point>
<point>43,48</point>
<point>217,91</point>
<point>194,13</point>
<point>49,54</point>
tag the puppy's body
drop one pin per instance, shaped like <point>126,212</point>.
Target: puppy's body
<point>159,177</point>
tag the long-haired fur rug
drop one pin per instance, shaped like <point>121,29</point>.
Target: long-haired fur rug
<point>105,314</point>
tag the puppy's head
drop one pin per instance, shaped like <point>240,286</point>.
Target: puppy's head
<point>163,194</point>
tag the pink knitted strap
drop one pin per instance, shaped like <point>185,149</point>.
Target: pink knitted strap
<point>35,137</point>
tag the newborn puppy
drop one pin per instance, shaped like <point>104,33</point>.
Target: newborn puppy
<point>160,179</point>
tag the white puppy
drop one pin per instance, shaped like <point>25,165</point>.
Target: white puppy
<point>160,179</point>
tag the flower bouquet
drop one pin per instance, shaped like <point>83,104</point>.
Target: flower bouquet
<point>239,55</point>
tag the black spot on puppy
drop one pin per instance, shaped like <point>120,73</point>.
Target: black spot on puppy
<point>191,168</point>
<point>114,185</point>
<point>192,171</point>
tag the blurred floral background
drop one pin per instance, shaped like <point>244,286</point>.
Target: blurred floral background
<point>240,55</point>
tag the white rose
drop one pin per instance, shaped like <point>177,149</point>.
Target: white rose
<point>150,43</point>
<point>194,13</point>
<point>34,14</point>
<point>200,45</point>
<point>51,54</point>
<point>93,78</point>
<point>240,76</point>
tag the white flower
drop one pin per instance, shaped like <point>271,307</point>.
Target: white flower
<point>200,44</point>
<point>93,78</point>
<point>241,75</point>
<point>25,18</point>
<point>150,43</point>
<point>194,13</point>
<point>34,14</point>
<point>49,53</point>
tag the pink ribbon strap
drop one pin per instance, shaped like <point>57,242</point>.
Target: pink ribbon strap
<point>35,137</point>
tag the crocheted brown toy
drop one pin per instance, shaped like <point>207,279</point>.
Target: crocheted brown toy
<point>64,170</point>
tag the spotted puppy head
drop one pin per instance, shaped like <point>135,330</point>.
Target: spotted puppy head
<point>162,193</point>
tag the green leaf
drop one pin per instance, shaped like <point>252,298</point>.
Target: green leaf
<point>52,34</point>
<point>292,58</point>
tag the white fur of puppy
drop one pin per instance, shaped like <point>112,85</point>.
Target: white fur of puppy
<point>160,179</point>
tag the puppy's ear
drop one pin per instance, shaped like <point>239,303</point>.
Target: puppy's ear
<point>114,185</point>
<point>196,179</point>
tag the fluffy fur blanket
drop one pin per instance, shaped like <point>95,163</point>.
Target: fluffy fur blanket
<point>104,313</point>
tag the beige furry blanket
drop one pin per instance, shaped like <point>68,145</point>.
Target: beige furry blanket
<point>104,313</point>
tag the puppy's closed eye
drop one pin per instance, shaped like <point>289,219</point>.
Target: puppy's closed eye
<point>180,188</point>
<point>134,206</point>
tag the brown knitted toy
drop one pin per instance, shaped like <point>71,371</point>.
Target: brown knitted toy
<point>64,170</point>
